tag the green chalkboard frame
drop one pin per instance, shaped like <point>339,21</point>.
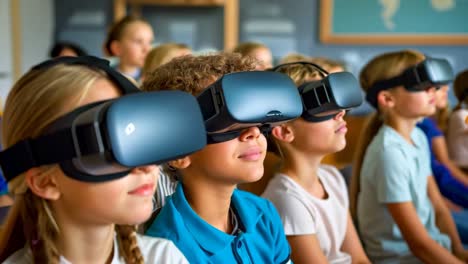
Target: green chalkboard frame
<point>327,35</point>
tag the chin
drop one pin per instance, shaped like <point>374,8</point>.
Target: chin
<point>254,176</point>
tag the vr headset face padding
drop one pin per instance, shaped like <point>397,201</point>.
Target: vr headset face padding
<point>244,99</point>
<point>430,72</point>
<point>337,91</point>
<point>105,140</point>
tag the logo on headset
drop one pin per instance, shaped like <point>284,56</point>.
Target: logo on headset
<point>130,129</point>
<point>274,115</point>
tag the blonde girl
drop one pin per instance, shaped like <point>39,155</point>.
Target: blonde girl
<point>55,218</point>
<point>400,212</point>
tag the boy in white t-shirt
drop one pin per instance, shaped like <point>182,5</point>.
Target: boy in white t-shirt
<point>311,198</point>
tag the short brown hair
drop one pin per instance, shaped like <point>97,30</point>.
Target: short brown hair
<point>193,73</point>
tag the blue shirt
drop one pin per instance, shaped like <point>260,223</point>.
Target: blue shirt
<point>429,127</point>
<point>394,171</point>
<point>449,186</point>
<point>261,241</point>
<point>3,183</point>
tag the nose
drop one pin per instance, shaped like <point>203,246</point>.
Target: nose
<point>250,133</point>
<point>431,90</point>
<point>340,115</point>
<point>146,169</point>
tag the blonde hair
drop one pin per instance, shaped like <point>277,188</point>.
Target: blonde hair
<point>294,57</point>
<point>460,88</point>
<point>35,101</point>
<point>246,48</point>
<point>382,67</point>
<point>327,64</point>
<point>162,54</point>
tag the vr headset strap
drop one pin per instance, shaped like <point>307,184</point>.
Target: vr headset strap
<point>31,153</point>
<point>371,95</point>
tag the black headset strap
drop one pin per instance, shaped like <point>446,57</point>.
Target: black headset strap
<point>31,153</point>
<point>125,85</point>
<point>322,71</point>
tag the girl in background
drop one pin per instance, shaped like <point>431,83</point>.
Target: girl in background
<point>129,40</point>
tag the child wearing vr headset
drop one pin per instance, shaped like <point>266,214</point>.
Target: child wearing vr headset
<point>207,217</point>
<point>73,161</point>
<point>457,133</point>
<point>311,198</point>
<point>400,212</point>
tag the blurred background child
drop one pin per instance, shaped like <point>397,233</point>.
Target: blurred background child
<point>257,50</point>
<point>129,40</point>
<point>457,132</point>
<point>66,48</point>
<point>162,54</point>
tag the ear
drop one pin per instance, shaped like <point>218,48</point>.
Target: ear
<point>115,48</point>
<point>385,99</point>
<point>182,163</point>
<point>283,132</point>
<point>42,184</point>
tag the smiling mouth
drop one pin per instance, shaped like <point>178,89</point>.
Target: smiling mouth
<point>253,155</point>
<point>143,190</point>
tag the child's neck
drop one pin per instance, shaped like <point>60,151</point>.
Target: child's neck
<point>303,168</point>
<point>403,126</point>
<point>86,244</point>
<point>210,201</point>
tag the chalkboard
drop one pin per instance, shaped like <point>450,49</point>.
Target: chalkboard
<point>441,22</point>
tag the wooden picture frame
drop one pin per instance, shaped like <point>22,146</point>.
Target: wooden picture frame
<point>393,25</point>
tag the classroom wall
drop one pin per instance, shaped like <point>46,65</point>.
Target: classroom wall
<point>285,26</point>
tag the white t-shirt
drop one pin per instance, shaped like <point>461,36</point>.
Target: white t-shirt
<point>457,138</point>
<point>154,250</point>
<point>304,214</point>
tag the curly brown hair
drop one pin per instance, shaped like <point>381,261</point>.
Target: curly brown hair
<point>193,74</point>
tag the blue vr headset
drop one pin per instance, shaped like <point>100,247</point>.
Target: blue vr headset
<point>324,99</point>
<point>428,73</point>
<point>103,141</point>
<point>244,99</point>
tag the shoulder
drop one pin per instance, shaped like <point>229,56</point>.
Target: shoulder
<point>159,250</point>
<point>22,256</point>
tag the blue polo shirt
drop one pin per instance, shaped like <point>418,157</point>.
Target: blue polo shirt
<point>261,241</point>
